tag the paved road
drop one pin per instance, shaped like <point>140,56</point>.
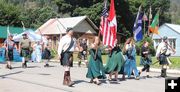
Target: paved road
<point>36,78</point>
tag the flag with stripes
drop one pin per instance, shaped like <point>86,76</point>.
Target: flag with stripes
<point>108,25</point>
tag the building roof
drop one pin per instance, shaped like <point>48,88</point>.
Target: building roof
<point>174,27</point>
<point>59,25</point>
<point>170,27</point>
<point>12,30</point>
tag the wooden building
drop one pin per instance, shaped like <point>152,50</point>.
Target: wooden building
<point>56,28</point>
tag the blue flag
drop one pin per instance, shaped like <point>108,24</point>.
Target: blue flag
<point>137,29</point>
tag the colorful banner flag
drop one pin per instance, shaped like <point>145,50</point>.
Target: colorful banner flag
<point>155,24</point>
<point>137,28</point>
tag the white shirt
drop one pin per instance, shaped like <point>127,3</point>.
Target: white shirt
<point>162,46</point>
<point>64,44</point>
<point>129,46</point>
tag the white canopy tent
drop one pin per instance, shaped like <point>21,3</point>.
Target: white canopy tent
<point>31,35</point>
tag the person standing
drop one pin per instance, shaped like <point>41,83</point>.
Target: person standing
<point>162,54</point>
<point>83,53</point>
<point>24,49</point>
<point>46,52</point>
<point>95,65</point>
<point>9,45</point>
<point>145,59</point>
<point>65,51</point>
<point>37,50</point>
<point>130,56</point>
<point>79,53</point>
<point>114,62</point>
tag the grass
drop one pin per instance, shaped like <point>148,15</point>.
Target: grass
<point>174,60</point>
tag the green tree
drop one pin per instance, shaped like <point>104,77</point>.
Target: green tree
<point>34,18</point>
<point>9,13</point>
<point>35,12</point>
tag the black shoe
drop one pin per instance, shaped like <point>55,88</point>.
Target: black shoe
<point>24,65</point>
<point>98,83</point>
<point>8,66</point>
<point>148,76</point>
<point>46,65</point>
<point>91,81</point>
<point>163,73</point>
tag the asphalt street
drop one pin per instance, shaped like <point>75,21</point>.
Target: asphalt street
<point>37,78</point>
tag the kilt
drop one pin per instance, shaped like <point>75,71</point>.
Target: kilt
<point>46,54</point>
<point>67,59</point>
<point>25,53</point>
<point>163,59</point>
<point>10,55</point>
<point>145,60</point>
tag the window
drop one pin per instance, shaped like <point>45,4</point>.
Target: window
<point>172,43</point>
<point>157,42</point>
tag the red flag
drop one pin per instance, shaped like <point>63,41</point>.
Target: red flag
<point>112,24</point>
<point>108,25</point>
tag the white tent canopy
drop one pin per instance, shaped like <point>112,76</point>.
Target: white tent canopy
<point>31,35</point>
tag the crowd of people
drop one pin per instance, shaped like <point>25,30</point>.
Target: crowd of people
<point>119,61</point>
<point>28,51</point>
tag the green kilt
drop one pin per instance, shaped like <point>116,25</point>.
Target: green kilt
<point>25,53</point>
<point>67,59</point>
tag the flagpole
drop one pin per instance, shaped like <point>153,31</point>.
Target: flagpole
<point>23,25</point>
<point>150,17</point>
<point>144,25</point>
<point>95,55</point>
<point>6,49</point>
<point>59,28</point>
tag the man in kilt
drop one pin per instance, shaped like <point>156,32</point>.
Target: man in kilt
<point>24,49</point>
<point>65,52</point>
<point>162,54</point>
<point>9,45</point>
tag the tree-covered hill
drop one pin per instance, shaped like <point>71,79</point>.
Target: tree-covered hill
<point>35,12</point>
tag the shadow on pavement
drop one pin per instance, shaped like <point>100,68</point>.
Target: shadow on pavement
<point>79,81</point>
<point>44,74</point>
<point>4,76</point>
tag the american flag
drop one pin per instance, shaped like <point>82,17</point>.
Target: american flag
<point>105,28</point>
